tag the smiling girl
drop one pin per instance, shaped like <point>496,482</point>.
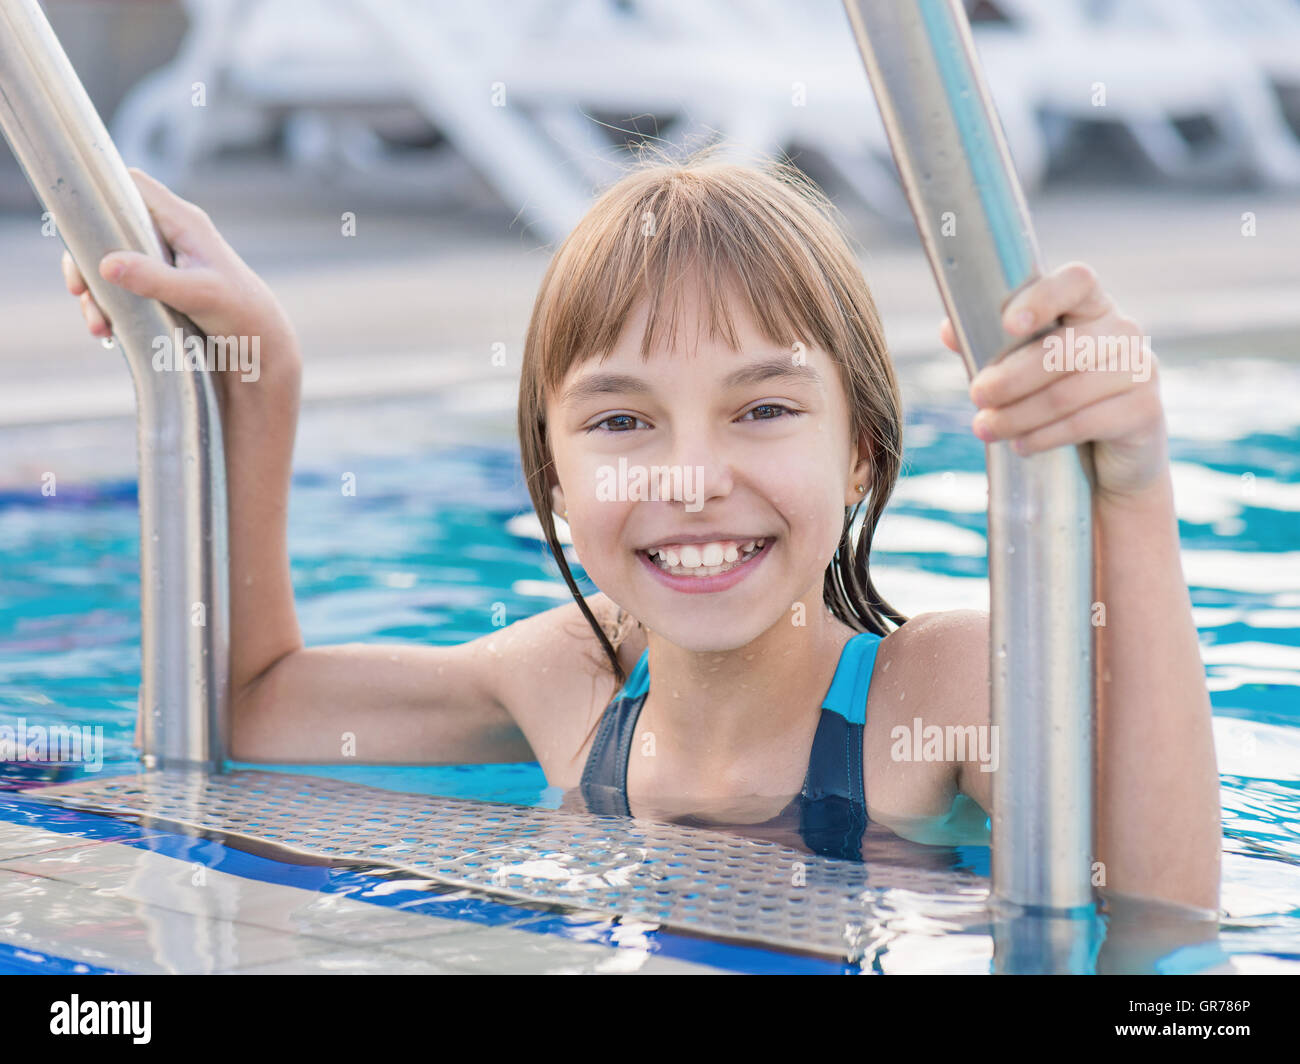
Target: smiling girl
<point>707,324</point>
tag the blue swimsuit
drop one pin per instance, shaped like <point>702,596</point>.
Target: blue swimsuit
<point>831,808</point>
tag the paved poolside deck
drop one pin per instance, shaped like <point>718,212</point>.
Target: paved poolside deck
<point>138,904</point>
<point>420,296</point>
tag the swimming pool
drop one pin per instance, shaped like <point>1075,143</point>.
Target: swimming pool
<point>439,540</point>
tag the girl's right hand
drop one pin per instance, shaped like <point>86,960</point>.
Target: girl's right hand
<point>209,283</point>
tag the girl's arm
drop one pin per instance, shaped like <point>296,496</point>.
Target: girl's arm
<point>1158,830</point>
<point>291,703</point>
<point>1157,825</point>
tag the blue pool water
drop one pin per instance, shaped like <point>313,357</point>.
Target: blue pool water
<point>433,541</point>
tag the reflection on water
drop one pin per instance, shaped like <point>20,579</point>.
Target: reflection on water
<point>444,537</point>
<point>829,827</point>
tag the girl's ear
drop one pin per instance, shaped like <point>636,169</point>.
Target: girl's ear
<point>557,501</point>
<point>860,475</point>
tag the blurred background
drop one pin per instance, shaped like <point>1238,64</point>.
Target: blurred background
<point>400,171</point>
<point>1158,140</point>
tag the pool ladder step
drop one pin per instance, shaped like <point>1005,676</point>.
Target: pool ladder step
<point>682,878</point>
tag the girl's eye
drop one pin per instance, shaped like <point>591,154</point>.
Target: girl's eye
<point>617,423</point>
<point>770,412</point>
<point>629,422</point>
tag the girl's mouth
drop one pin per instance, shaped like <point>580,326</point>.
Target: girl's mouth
<point>705,566</point>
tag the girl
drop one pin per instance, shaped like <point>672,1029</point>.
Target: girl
<point>707,400</point>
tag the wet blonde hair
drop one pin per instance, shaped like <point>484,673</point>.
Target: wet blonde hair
<point>767,235</point>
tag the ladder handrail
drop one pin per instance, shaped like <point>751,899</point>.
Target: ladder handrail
<point>976,230</point>
<point>78,175</point>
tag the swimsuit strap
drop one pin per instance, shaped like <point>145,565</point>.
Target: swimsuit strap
<point>835,764</point>
<point>848,691</point>
<point>604,779</point>
<point>833,812</point>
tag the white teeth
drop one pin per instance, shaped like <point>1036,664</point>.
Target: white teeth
<point>706,559</point>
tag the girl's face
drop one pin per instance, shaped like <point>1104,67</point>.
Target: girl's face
<point>706,487</point>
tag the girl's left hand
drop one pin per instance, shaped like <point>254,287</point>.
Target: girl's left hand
<point>1093,378</point>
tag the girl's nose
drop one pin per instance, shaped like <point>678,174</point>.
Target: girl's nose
<point>700,468</point>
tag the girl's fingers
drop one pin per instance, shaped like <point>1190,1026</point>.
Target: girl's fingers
<point>198,285</point>
<point>948,336</point>
<point>1113,341</point>
<point>76,284</point>
<point>1112,417</point>
<point>1054,404</point>
<point>95,320</point>
<point>1071,292</point>
<point>191,291</point>
<point>184,225</point>
<point>96,323</point>
<point>1017,375</point>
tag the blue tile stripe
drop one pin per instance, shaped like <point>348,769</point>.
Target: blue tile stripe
<point>366,887</point>
<point>18,960</point>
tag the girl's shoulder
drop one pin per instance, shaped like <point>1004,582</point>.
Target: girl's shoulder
<point>938,661</point>
<point>931,672</point>
<point>555,677</point>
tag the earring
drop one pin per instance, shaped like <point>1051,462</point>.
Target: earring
<point>861,488</point>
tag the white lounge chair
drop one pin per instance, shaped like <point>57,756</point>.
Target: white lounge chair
<point>307,59</point>
<point>1130,65</point>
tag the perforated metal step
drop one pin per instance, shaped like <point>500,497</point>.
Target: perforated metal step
<point>689,879</point>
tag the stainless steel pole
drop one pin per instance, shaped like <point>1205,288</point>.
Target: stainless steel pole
<point>959,179</point>
<point>78,175</point>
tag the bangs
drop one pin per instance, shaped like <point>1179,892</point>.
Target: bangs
<point>740,239</point>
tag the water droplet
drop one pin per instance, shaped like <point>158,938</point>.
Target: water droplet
<point>108,341</point>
